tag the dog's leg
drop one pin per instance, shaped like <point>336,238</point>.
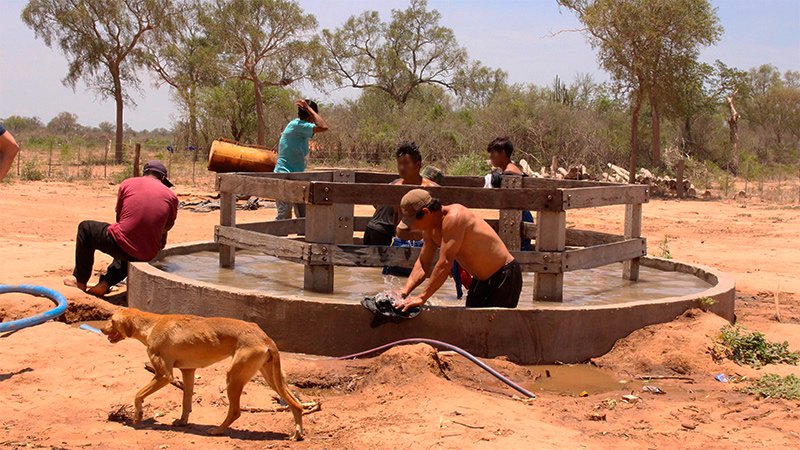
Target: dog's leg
<point>158,382</point>
<point>188,391</point>
<point>245,364</point>
<point>272,372</point>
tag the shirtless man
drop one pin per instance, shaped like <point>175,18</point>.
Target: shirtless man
<point>464,237</point>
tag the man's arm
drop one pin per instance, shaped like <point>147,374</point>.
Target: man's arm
<point>8,150</point>
<point>452,238</point>
<point>320,125</point>
<point>422,268</point>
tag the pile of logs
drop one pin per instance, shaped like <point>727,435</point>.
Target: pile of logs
<point>660,186</point>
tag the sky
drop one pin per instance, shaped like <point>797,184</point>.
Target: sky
<point>515,35</point>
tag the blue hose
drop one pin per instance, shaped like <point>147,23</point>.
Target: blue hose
<point>452,347</point>
<point>39,291</point>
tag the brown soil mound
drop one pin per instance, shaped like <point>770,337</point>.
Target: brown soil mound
<point>680,347</point>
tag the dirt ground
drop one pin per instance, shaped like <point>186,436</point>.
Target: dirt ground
<point>62,387</point>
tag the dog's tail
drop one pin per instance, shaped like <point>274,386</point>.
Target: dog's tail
<point>272,372</point>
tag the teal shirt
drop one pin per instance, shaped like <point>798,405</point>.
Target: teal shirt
<point>293,146</point>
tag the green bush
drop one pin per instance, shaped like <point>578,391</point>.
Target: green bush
<point>753,349</point>
<point>773,386</point>
<point>31,172</point>
<point>470,164</point>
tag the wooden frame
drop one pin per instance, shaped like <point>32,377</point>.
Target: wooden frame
<point>329,225</point>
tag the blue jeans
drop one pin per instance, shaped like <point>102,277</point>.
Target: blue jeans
<point>285,210</point>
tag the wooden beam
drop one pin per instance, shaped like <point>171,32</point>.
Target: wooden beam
<point>276,246</point>
<point>320,228</point>
<point>344,211</point>
<point>384,194</point>
<point>510,219</point>
<point>363,255</point>
<point>267,187</point>
<point>551,237</point>
<point>633,229</point>
<point>276,227</point>
<point>601,255</point>
<point>325,175</point>
<point>227,218</point>
<point>553,183</point>
<point>602,196</point>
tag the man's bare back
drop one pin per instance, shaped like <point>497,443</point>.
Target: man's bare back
<point>484,252</point>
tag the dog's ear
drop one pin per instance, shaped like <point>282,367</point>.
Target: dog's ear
<point>127,326</point>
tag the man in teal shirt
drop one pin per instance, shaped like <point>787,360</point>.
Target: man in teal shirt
<point>293,149</point>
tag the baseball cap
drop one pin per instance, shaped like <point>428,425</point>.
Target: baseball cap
<point>411,204</point>
<point>158,167</point>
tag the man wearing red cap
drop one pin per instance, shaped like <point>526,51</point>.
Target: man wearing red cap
<point>460,236</point>
<point>146,211</point>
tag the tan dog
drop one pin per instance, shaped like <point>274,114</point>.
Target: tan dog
<point>190,342</point>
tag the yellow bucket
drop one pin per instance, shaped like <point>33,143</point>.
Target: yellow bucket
<point>231,156</point>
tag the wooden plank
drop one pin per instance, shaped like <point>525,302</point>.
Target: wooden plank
<point>325,175</point>
<point>589,238</point>
<point>384,194</point>
<point>601,255</point>
<point>551,237</point>
<point>363,255</point>
<point>276,227</point>
<point>276,246</point>
<point>539,262</point>
<point>320,228</point>
<point>344,211</point>
<point>227,218</point>
<point>553,183</point>
<point>267,187</point>
<point>602,196</point>
<point>386,177</point>
<point>633,229</point>
<point>510,219</point>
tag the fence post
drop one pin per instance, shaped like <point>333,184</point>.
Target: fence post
<point>105,159</point>
<point>50,160</point>
<point>550,237</point>
<point>633,229</point>
<point>19,157</point>
<point>136,153</point>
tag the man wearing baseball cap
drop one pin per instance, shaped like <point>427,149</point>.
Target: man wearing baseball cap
<point>460,236</point>
<point>146,211</point>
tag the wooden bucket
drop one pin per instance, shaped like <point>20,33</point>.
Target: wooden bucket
<point>231,156</point>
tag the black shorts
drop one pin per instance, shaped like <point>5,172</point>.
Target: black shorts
<point>501,289</point>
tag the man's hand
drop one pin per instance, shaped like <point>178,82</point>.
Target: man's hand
<point>302,104</point>
<point>409,303</point>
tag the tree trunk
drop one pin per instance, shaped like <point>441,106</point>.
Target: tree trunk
<point>655,123</point>
<point>119,104</point>
<point>262,132</point>
<point>733,125</point>
<point>191,100</point>
<point>634,137</point>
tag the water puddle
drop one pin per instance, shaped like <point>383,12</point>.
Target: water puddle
<point>576,379</point>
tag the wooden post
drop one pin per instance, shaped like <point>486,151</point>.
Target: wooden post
<point>510,219</point>
<point>633,229</point>
<point>137,151</point>
<point>550,237</point>
<point>50,160</point>
<point>553,167</point>
<point>344,212</point>
<point>679,175</point>
<point>227,218</point>
<point>105,159</point>
<point>320,228</point>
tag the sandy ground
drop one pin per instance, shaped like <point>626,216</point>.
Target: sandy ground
<point>60,386</point>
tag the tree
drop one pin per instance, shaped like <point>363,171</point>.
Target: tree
<point>20,124</point>
<point>645,45</point>
<point>184,58</point>
<point>63,123</point>
<point>731,84</point>
<point>101,40</point>
<point>412,50</point>
<point>265,42</point>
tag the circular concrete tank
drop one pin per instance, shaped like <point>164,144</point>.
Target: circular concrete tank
<point>534,333</point>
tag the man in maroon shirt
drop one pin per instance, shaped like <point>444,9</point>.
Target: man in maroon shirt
<point>146,211</point>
